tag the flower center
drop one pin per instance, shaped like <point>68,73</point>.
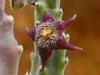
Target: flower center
<point>46,33</point>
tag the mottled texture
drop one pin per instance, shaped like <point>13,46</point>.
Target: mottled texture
<point>56,40</point>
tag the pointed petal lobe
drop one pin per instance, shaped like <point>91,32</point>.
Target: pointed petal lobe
<point>44,54</point>
<point>62,44</point>
<point>31,33</point>
<point>63,25</point>
<point>47,17</point>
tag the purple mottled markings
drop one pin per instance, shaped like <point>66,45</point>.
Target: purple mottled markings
<point>57,28</point>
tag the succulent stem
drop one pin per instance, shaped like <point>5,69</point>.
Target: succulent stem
<point>2,3</point>
<point>10,52</point>
<point>57,62</point>
<point>53,4</point>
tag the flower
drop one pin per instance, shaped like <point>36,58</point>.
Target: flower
<point>48,36</point>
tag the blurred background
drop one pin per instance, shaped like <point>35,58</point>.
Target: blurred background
<point>84,32</point>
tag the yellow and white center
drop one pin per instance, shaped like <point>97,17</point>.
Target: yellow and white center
<point>46,33</point>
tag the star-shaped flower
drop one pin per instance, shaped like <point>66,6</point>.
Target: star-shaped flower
<point>48,36</point>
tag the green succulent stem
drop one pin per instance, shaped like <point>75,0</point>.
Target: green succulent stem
<point>53,4</point>
<point>57,62</point>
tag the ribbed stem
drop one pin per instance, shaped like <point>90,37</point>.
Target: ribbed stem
<point>57,62</point>
<point>53,4</point>
<point>9,50</point>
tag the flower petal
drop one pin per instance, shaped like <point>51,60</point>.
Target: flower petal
<point>47,17</point>
<point>31,33</point>
<point>62,25</point>
<point>62,44</point>
<point>44,54</point>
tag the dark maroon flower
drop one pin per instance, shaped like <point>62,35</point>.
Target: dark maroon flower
<point>48,36</point>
